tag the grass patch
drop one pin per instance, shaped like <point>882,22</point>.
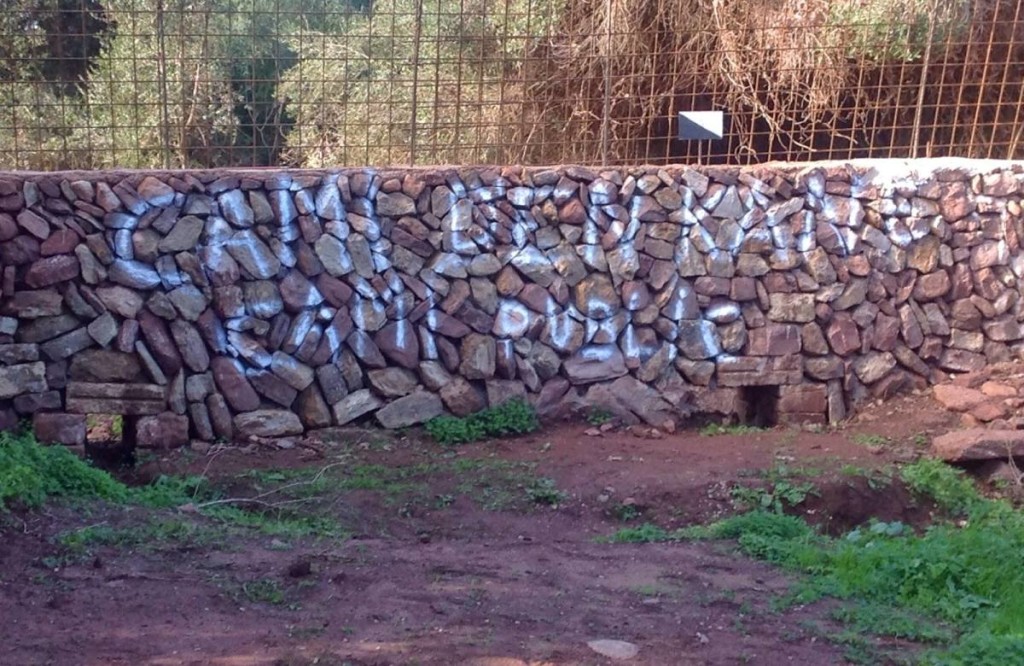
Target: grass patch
<point>967,575</point>
<point>717,429</point>
<point>871,441</point>
<point>30,474</point>
<point>598,416</point>
<point>155,534</point>
<point>515,417</point>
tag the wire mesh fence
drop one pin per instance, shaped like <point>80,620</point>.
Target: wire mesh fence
<point>309,83</point>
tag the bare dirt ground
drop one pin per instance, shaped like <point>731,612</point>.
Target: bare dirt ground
<point>421,554</point>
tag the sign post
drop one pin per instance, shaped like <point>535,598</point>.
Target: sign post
<point>701,125</point>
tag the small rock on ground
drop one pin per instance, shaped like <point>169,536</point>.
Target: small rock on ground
<point>614,649</point>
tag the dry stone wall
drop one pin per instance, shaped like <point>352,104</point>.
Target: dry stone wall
<point>223,305</point>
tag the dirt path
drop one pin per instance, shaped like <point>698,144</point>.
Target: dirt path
<point>448,566</point>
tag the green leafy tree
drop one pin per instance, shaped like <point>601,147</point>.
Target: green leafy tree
<point>421,81</point>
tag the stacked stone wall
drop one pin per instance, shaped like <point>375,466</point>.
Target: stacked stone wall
<point>209,305</point>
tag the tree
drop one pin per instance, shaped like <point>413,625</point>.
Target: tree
<point>419,81</point>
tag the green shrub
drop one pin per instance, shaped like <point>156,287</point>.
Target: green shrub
<point>30,473</point>
<point>515,417</point>
<point>968,574</point>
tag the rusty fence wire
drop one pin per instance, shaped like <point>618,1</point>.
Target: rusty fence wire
<point>214,83</point>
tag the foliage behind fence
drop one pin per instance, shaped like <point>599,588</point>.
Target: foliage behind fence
<point>207,83</point>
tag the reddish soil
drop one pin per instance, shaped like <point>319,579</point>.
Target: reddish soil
<point>431,574</point>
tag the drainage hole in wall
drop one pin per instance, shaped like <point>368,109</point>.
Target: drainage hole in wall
<point>106,443</point>
<point>759,406</point>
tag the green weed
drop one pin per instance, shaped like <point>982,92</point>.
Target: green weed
<point>263,591</point>
<point>598,416</point>
<point>152,535</point>
<point>30,473</point>
<point>873,441</point>
<point>515,417</point>
<point>716,429</point>
<point>543,491</point>
<point>967,575</point>
<point>776,497</point>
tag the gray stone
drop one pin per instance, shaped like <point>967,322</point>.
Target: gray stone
<point>183,236</point>
<point>616,649</point>
<point>312,408</point>
<point>462,398</point>
<point>190,345</point>
<point>797,308</point>
<point>533,264</point>
<point>188,301</point>
<point>220,417</point>
<point>500,391</point>
<point>872,367</point>
<point>294,373</point>
<point>262,298</point>
<point>417,407</point>
<point>595,363</point>
<point>22,378</point>
<point>354,405</point>
<point>478,354</point>
<point>334,256</point>
<point>103,329</point>
<point>270,386</point>
<point>253,255</point>
<point>699,340</point>
<point>395,204</point>
<point>235,209</point>
<point>133,274</point>
<point>392,382</point>
<point>513,320</point>
<point>268,423</point>
<point>67,344</point>
<point>197,387</point>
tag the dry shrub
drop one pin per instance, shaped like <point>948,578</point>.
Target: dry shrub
<point>799,79</point>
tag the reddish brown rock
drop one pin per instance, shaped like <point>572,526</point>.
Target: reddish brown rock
<point>231,381</point>
<point>165,430</point>
<point>62,241</point>
<point>998,390</point>
<point>397,341</point>
<point>932,286</point>
<point>842,334</point>
<point>990,411</point>
<point>55,428</point>
<point>978,444</point>
<point>158,340</point>
<point>803,399</point>
<point>958,398</point>
<point>774,340</point>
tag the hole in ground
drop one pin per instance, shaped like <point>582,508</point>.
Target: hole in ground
<point>841,505</point>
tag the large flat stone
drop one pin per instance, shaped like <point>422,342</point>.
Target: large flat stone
<point>978,444</point>
<point>354,405</point>
<point>417,407</point>
<point>268,423</point>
